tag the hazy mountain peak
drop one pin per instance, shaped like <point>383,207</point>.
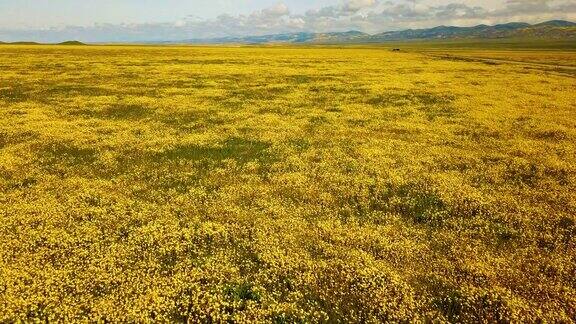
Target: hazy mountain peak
<point>557,23</point>
<point>554,29</point>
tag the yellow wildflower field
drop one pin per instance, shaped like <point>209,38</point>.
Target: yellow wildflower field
<point>286,184</point>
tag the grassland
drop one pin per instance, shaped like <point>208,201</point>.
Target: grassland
<point>214,184</point>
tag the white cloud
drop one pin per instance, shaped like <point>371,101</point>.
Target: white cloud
<point>356,5</point>
<point>277,10</point>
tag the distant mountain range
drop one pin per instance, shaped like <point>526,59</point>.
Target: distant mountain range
<point>301,37</point>
<point>554,29</point>
<point>76,43</point>
<point>550,30</point>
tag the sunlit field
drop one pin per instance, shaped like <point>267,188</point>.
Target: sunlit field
<point>277,184</point>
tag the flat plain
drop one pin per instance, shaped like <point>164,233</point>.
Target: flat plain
<point>287,184</point>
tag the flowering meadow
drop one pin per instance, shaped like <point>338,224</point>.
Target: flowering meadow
<point>286,184</point>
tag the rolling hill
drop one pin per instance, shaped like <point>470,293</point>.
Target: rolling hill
<point>76,43</point>
<point>36,43</point>
<point>301,37</point>
<point>550,29</point>
<point>554,29</point>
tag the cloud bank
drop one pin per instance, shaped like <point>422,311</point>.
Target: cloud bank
<point>371,16</point>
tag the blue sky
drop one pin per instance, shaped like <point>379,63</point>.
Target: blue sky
<point>141,20</point>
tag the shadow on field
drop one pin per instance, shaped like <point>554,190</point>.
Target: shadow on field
<point>119,111</point>
<point>13,94</point>
<point>416,98</point>
<point>432,104</point>
<point>241,150</point>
